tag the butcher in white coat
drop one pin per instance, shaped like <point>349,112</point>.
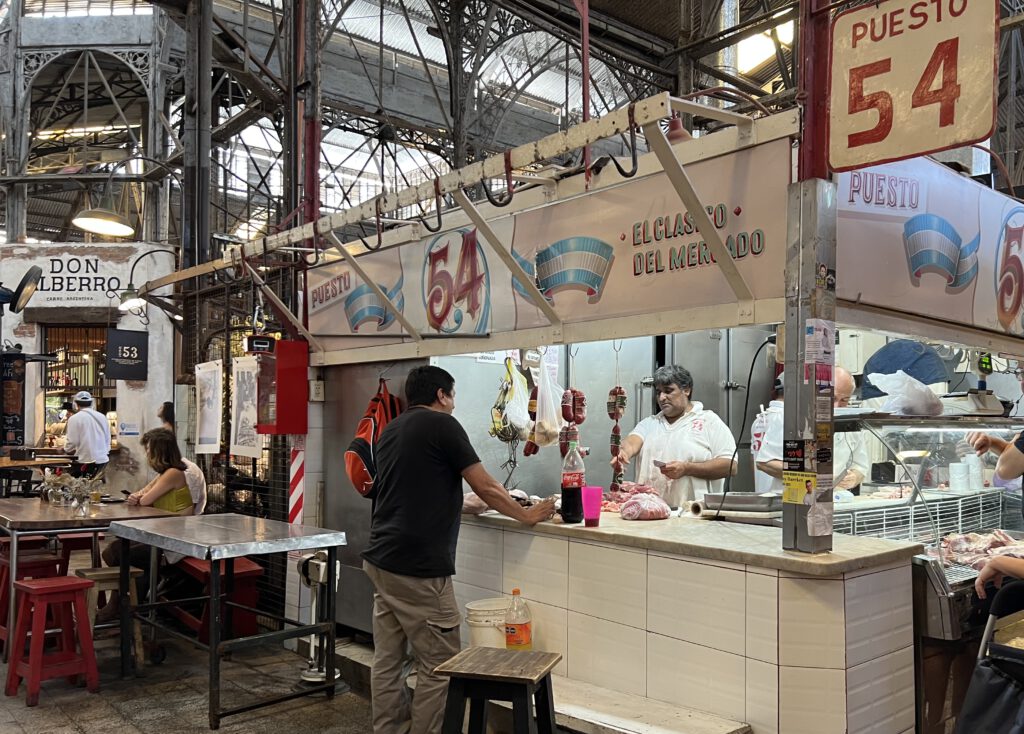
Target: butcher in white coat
<point>684,451</point>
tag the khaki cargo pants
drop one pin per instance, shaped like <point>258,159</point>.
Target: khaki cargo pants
<point>416,613</point>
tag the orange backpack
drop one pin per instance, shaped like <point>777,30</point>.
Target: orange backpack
<point>360,458</point>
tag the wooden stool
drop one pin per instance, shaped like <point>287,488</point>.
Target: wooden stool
<point>25,542</point>
<point>65,597</point>
<point>71,542</point>
<point>109,579</point>
<point>245,592</point>
<point>484,674</point>
<point>31,565</point>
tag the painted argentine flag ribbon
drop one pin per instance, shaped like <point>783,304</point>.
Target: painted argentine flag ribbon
<point>363,305</point>
<point>527,266</point>
<point>934,245</point>
<point>576,262</point>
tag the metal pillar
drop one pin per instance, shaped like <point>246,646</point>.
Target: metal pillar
<point>810,306</point>
<point>198,117</point>
<point>17,145</point>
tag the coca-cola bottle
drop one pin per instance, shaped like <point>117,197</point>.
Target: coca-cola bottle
<point>572,483</point>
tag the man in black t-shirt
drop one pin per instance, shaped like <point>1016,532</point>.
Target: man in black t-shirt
<point>422,458</point>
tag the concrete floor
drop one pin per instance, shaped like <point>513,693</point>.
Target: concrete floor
<point>171,698</point>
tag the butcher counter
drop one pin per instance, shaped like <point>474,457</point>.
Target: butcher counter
<point>713,616</point>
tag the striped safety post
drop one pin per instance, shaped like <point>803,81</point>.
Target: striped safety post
<point>296,485</point>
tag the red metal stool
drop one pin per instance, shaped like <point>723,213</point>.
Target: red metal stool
<point>65,597</point>
<point>31,565</point>
<point>71,542</point>
<point>245,592</point>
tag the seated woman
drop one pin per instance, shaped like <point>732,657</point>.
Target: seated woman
<point>179,487</point>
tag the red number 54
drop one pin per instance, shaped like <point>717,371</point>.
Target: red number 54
<point>944,59</point>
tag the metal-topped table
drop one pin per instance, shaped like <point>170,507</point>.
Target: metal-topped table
<point>222,538</point>
<point>33,516</point>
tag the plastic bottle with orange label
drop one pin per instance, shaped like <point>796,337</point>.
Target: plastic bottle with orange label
<point>518,626</point>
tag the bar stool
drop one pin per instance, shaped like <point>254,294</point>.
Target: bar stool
<point>483,674</point>
<point>71,542</point>
<point>109,579</point>
<point>31,565</point>
<point>65,598</point>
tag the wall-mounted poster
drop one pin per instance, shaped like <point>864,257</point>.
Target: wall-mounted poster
<point>13,414</point>
<point>209,406</point>
<point>244,439</point>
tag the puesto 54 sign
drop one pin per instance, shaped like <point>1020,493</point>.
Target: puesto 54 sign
<point>909,77</point>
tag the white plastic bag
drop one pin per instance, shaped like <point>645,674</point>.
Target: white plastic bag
<point>907,395</point>
<point>645,507</point>
<point>518,409</point>
<point>549,409</point>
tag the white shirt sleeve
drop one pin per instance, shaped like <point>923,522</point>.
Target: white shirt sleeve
<point>859,455</point>
<point>71,436</point>
<point>771,444</point>
<point>720,439</point>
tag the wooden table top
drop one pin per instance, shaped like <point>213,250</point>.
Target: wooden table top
<point>9,463</point>
<point>498,664</point>
<point>33,514</point>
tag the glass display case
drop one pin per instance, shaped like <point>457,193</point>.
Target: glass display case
<point>925,480</point>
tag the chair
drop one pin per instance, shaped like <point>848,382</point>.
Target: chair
<point>64,597</point>
<point>109,579</point>
<point>482,674</point>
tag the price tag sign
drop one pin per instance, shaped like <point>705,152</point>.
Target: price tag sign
<point>127,354</point>
<point>910,77</point>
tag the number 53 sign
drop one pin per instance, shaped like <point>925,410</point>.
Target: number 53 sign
<point>909,77</point>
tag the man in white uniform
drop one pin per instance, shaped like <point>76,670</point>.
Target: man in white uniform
<point>684,451</point>
<point>850,464</point>
<point>767,420</point>
<point>87,438</point>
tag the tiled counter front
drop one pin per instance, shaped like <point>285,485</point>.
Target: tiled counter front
<point>782,651</point>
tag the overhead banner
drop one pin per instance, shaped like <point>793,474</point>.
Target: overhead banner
<point>627,250</point>
<point>209,406</point>
<point>245,441</point>
<point>916,236</point>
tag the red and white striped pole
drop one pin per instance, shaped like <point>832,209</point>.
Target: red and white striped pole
<point>296,485</point>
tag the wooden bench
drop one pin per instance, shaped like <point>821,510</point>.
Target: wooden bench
<point>584,707</point>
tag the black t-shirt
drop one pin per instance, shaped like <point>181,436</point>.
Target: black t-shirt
<point>418,508</point>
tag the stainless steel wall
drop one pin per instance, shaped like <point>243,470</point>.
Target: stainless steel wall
<point>718,360</point>
<point>348,389</point>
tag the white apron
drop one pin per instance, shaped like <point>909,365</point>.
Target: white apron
<point>676,442</point>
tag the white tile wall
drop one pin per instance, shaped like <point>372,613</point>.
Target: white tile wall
<point>763,571</point>
<point>697,603</point>
<point>702,561</point>
<point>551,632</point>
<point>696,677</point>
<point>478,557</point>
<point>607,654</point>
<point>465,593</point>
<point>874,569</point>
<point>762,697</point>
<point>880,694</point>
<point>811,701</point>
<point>879,615</point>
<point>610,583</point>
<point>812,631</point>
<point>762,641</point>
<point>538,565</point>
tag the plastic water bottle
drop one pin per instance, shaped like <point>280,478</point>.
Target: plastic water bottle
<point>518,626</point>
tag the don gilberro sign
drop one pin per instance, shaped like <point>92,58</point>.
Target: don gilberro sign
<point>73,279</point>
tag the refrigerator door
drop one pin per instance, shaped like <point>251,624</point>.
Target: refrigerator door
<point>348,389</point>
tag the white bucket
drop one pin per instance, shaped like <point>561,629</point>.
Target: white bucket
<point>486,621</point>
